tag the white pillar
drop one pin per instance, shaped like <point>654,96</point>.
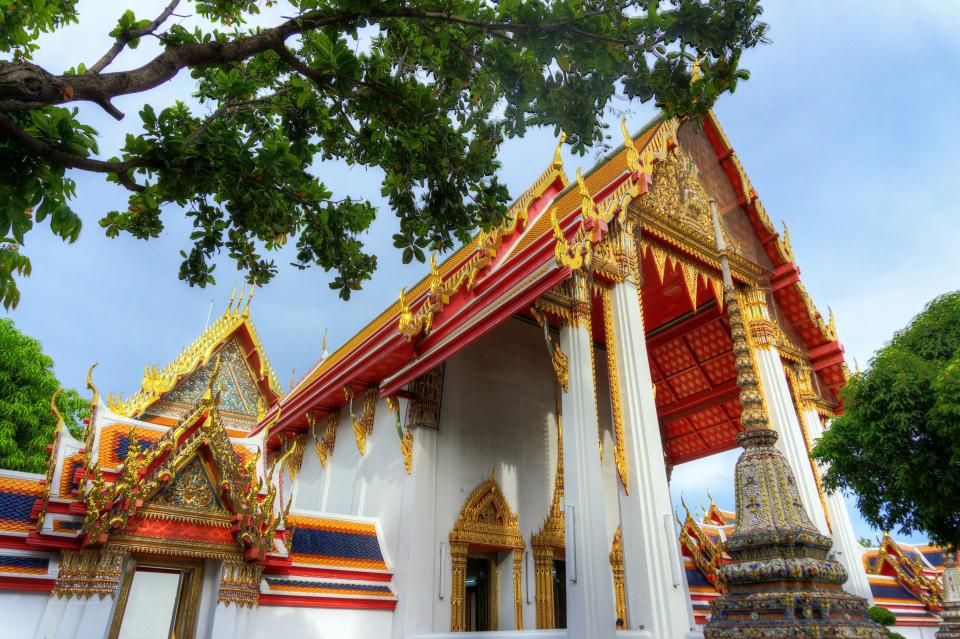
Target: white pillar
<point>780,406</point>
<point>591,613</point>
<point>848,550</point>
<point>657,599</point>
<point>231,622</point>
<point>76,618</point>
<point>415,577</point>
<point>95,618</point>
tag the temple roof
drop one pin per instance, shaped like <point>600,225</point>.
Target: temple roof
<point>248,385</point>
<point>499,272</point>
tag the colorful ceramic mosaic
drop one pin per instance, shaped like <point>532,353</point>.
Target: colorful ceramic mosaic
<point>24,564</point>
<point>17,496</point>
<point>340,588</point>
<point>66,525</point>
<point>238,392</point>
<point>115,442</point>
<point>333,542</point>
<point>68,478</point>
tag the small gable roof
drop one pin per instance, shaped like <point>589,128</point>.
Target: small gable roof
<point>248,385</point>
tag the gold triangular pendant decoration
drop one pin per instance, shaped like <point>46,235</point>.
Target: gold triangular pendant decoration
<point>717,287</point>
<point>660,259</point>
<point>690,280</point>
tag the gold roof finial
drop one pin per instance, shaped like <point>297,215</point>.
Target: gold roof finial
<point>633,156</point>
<point>786,242</point>
<point>324,345</point>
<point>243,292</point>
<point>832,324</point>
<point>269,427</point>
<point>209,396</point>
<point>695,73</point>
<point>588,208</point>
<point>96,394</point>
<point>233,296</point>
<point>246,309</point>
<point>557,160</point>
<point>56,411</point>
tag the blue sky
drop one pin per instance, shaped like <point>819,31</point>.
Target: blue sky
<point>847,128</point>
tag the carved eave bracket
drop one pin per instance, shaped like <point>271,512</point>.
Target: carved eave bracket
<point>362,422</point>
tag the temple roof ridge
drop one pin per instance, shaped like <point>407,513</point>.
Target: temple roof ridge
<point>156,381</point>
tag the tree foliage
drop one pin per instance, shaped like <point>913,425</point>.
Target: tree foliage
<point>897,444</point>
<point>423,90</point>
<point>27,384</point>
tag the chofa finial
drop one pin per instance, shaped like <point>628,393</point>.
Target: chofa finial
<point>233,296</point>
<point>633,156</point>
<point>55,410</point>
<point>557,160</point>
<point>246,308</point>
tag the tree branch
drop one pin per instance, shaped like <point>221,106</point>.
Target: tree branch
<point>126,37</point>
<point>33,146</point>
<point>37,86</point>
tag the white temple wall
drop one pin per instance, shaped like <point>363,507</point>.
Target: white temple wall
<point>498,412</point>
<point>343,490</point>
<point>382,477</point>
<point>21,612</point>
<point>308,494</point>
<point>915,632</point>
<point>318,623</point>
<point>370,485</point>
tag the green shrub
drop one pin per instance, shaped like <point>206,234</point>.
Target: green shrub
<point>882,616</point>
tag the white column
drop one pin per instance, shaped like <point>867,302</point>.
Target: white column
<point>416,577</point>
<point>591,613</point>
<point>657,599</point>
<point>780,406</point>
<point>95,619</point>
<point>848,550</point>
<point>783,418</point>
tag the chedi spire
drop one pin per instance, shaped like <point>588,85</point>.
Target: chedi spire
<point>781,582</point>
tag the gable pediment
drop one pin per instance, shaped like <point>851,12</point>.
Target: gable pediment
<point>191,489</point>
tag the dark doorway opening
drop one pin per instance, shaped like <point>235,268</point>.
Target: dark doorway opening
<point>559,593</point>
<point>479,590</point>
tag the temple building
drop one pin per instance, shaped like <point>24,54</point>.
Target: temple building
<point>491,453</point>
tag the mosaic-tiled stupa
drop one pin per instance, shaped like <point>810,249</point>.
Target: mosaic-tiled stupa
<point>950,626</point>
<point>780,582</point>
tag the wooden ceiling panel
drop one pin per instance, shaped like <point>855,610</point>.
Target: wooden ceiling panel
<point>688,382</point>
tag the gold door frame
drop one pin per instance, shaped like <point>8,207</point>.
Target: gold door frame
<point>486,523</point>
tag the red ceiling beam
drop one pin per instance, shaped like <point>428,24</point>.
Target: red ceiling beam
<point>700,454</point>
<point>698,401</point>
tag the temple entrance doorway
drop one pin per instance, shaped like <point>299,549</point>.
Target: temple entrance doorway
<point>159,599</point>
<point>485,534</point>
